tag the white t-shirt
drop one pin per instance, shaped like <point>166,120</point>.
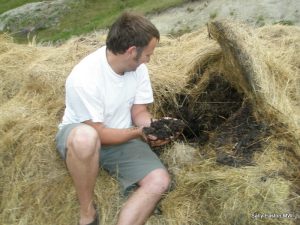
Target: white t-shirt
<point>95,92</point>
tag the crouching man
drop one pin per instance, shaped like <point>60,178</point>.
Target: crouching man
<point>107,94</point>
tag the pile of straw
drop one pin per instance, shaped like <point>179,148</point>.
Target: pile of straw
<point>262,65</point>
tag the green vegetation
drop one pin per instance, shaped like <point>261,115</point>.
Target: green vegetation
<point>213,15</point>
<point>179,32</point>
<point>6,5</point>
<point>260,21</point>
<point>90,15</point>
<point>285,22</point>
<point>189,9</point>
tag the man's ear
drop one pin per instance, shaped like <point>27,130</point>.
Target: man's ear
<point>131,50</point>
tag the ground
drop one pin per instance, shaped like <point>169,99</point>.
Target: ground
<point>195,14</point>
<point>175,21</point>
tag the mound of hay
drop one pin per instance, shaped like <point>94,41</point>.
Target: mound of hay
<point>236,88</point>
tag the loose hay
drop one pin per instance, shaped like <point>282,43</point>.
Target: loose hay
<point>207,193</point>
<point>194,79</point>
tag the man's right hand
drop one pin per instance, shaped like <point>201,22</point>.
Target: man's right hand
<point>153,141</point>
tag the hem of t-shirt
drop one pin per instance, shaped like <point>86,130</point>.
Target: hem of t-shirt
<point>81,120</point>
<point>143,101</point>
<point>94,119</point>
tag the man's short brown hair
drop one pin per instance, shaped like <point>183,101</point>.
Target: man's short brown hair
<point>128,30</point>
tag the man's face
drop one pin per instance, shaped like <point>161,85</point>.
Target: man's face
<point>142,55</point>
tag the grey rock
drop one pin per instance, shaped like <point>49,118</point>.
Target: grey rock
<point>34,16</point>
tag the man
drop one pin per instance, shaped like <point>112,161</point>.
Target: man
<point>107,95</point>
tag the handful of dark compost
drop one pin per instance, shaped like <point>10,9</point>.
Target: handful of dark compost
<point>165,128</point>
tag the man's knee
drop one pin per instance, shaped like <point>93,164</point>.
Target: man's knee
<point>157,181</point>
<point>83,142</point>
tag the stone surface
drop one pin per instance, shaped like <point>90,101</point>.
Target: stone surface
<point>190,16</point>
<point>196,14</point>
<point>34,16</point>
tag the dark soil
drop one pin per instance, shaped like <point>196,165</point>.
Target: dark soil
<point>221,117</point>
<point>204,113</point>
<point>239,137</point>
<point>164,128</point>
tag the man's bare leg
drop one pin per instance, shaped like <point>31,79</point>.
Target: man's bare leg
<point>142,202</point>
<point>83,164</point>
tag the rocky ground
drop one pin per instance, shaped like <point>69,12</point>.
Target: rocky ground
<point>34,16</point>
<point>190,16</point>
<point>196,14</point>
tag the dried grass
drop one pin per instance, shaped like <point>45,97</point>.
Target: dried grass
<point>36,188</point>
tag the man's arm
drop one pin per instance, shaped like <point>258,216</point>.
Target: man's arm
<point>112,136</point>
<point>140,115</point>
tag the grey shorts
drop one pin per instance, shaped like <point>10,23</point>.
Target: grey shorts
<point>128,162</point>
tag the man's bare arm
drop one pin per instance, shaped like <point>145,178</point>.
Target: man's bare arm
<point>141,116</point>
<point>112,136</point>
